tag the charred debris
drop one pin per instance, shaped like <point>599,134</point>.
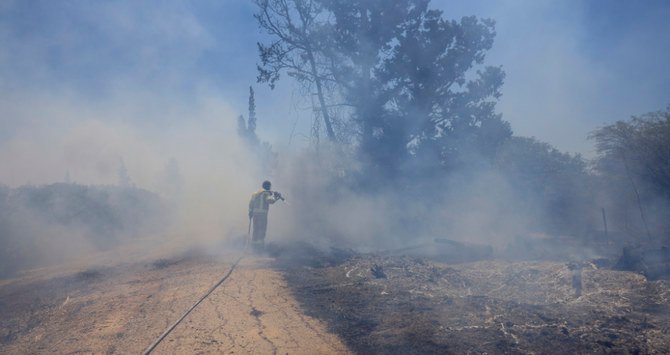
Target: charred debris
<point>394,302</point>
<point>501,243</point>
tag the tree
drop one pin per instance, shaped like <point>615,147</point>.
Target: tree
<point>634,159</point>
<point>247,128</point>
<point>296,49</point>
<point>642,145</point>
<point>362,37</point>
<point>242,127</point>
<point>403,71</point>
<point>403,68</point>
<point>553,186</point>
<point>251,127</point>
<point>122,175</point>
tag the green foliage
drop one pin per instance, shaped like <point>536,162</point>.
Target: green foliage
<point>293,24</point>
<point>555,185</point>
<point>298,48</point>
<point>642,145</point>
<point>404,71</point>
<point>533,163</point>
<point>242,127</point>
<point>246,129</point>
<point>32,217</point>
<point>251,126</point>
<point>633,165</point>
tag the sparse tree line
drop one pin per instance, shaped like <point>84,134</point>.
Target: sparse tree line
<point>33,218</point>
<point>419,107</point>
<point>632,173</point>
<point>42,224</point>
<point>246,130</point>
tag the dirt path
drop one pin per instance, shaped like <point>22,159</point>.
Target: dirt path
<point>125,308</point>
<point>252,312</point>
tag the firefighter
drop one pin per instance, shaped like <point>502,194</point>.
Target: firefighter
<point>258,212</point>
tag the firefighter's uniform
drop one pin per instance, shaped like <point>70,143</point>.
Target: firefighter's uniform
<point>258,210</point>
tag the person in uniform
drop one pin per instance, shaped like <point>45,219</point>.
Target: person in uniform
<point>259,205</point>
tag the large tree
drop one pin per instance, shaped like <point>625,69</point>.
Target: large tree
<point>403,67</point>
<point>297,47</point>
<point>404,71</point>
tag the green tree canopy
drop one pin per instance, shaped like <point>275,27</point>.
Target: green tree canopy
<point>404,71</point>
<point>641,145</point>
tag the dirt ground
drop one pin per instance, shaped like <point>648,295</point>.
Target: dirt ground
<point>124,308</point>
<point>300,299</point>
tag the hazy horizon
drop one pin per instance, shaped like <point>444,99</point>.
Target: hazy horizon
<point>571,67</point>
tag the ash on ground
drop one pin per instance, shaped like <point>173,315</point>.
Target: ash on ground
<point>486,306</point>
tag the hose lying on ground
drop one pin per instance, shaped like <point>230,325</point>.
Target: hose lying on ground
<point>170,328</point>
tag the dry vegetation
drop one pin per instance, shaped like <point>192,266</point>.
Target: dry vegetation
<point>410,305</point>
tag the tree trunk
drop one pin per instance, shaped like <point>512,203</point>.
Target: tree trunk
<point>637,196</point>
<point>322,100</point>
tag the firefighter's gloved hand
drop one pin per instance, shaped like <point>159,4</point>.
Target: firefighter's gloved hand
<point>278,196</point>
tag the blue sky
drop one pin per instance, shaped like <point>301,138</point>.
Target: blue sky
<point>575,65</point>
<point>571,65</point>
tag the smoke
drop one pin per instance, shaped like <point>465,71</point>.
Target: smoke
<point>195,162</point>
<point>91,93</point>
<point>327,207</point>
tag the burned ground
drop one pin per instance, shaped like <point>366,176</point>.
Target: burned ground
<point>396,304</point>
<point>305,300</point>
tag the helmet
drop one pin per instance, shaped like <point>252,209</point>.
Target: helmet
<point>267,185</point>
